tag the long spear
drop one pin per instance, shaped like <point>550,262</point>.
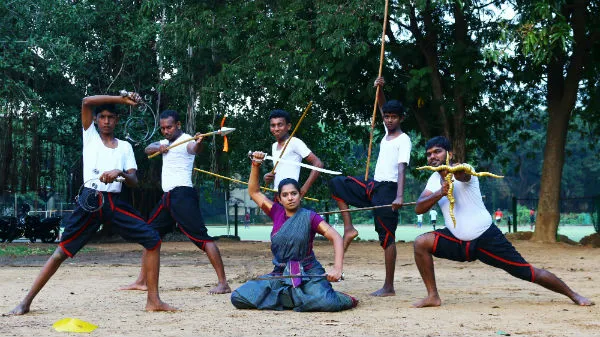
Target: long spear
<point>222,131</point>
<point>365,208</point>
<point>381,55</point>
<point>243,182</point>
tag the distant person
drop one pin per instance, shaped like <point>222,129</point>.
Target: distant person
<point>433,217</point>
<point>531,218</point>
<point>474,237</point>
<point>419,220</point>
<point>498,215</point>
<point>247,220</point>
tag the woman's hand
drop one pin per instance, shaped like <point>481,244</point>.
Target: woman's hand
<point>334,275</point>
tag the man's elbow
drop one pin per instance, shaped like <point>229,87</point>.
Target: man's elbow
<point>85,101</point>
<point>420,209</point>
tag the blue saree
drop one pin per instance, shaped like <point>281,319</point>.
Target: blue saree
<point>292,255</point>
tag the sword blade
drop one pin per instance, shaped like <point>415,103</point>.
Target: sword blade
<point>276,160</point>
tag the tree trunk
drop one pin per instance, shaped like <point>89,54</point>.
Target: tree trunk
<point>462,41</point>
<point>548,212</point>
<point>561,97</point>
<point>34,156</point>
<point>6,156</point>
<point>427,44</point>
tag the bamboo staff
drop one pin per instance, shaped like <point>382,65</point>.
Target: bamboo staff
<point>222,131</point>
<point>381,55</point>
<point>292,135</point>
<point>365,208</point>
<point>243,182</point>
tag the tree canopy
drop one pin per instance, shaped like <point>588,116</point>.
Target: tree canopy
<point>502,79</point>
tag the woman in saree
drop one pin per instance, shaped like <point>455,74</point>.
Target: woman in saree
<point>294,229</point>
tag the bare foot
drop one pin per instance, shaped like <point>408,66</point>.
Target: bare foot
<point>220,289</point>
<point>383,292</point>
<point>135,286</point>
<point>580,300</point>
<point>349,235</point>
<point>160,306</point>
<point>20,309</point>
<point>429,301</point>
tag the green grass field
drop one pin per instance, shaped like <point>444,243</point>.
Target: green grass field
<point>367,232</point>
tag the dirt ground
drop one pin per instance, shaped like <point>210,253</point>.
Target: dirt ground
<point>477,300</point>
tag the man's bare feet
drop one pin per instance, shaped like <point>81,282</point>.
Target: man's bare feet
<point>429,301</point>
<point>135,286</point>
<point>220,289</point>
<point>159,306</point>
<point>580,300</point>
<point>349,235</point>
<point>383,292</point>
<point>20,309</point>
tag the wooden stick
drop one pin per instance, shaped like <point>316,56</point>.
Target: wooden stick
<point>365,208</point>
<point>292,135</point>
<point>243,182</point>
<point>381,55</point>
<point>279,277</point>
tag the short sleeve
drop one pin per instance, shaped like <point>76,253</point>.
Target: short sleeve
<point>163,142</point>
<point>404,150</point>
<point>315,220</point>
<point>301,148</point>
<point>90,134</point>
<point>129,158</point>
<point>433,184</point>
<point>276,208</point>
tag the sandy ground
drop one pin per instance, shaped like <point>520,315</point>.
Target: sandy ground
<point>477,300</point>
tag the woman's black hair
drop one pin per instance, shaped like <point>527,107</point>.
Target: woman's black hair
<point>288,181</point>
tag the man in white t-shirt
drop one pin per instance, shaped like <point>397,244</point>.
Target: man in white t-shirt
<point>419,220</point>
<point>179,203</point>
<point>386,187</point>
<point>105,158</point>
<point>474,237</point>
<point>433,217</point>
<point>280,124</point>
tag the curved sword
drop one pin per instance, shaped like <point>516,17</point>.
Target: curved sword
<point>279,160</point>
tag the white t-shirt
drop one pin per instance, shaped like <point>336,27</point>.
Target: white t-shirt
<point>296,151</point>
<point>419,217</point>
<point>97,159</point>
<point>433,214</point>
<point>472,218</point>
<point>177,165</point>
<point>391,153</point>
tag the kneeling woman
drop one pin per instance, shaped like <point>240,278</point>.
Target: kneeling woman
<point>294,230</point>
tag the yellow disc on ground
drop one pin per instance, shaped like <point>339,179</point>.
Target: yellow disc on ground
<point>73,325</point>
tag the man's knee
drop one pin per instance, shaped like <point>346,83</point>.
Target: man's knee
<point>59,255</point>
<point>424,242</point>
